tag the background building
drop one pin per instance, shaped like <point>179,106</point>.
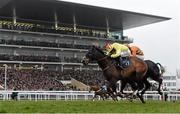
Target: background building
<point>44,41</point>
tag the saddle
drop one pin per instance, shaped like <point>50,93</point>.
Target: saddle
<point>124,62</point>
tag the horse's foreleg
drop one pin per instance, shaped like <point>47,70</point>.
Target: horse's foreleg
<point>136,92</point>
<point>113,96</point>
<point>113,92</point>
<point>102,96</point>
<point>106,96</point>
<point>113,86</point>
<point>123,85</point>
<point>134,87</point>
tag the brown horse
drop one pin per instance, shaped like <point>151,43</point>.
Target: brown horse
<point>104,95</point>
<point>134,73</point>
<point>97,92</point>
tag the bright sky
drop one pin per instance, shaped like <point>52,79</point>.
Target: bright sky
<point>161,41</point>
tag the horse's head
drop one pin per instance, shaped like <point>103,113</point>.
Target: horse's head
<point>94,54</point>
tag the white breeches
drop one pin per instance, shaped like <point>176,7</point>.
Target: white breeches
<point>140,57</point>
<point>125,53</point>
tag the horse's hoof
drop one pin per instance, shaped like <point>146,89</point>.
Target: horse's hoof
<point>142,100</point>
<point>134,96</point>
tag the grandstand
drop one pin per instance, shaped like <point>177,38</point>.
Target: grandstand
<point>43,41</point>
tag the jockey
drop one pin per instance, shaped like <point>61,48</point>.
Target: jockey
<point>104,86</point>
<point>119,52</point>
<point>136,51</point>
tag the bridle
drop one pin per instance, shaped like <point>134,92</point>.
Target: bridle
<point>102,59</point>
<point>108,66</point>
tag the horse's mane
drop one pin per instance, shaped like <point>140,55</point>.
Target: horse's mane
<point>103,53</point>
<point>99,50</point>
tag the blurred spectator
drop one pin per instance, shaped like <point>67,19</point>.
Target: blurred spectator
<point>39,58</point>
<point>34,79</point>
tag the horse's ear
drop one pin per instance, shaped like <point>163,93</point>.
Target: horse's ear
<point>93,46</point>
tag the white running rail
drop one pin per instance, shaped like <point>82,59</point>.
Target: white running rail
<point>76,95</point>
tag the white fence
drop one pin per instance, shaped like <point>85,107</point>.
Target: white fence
<point>76,95</point>
<point>47,95</point>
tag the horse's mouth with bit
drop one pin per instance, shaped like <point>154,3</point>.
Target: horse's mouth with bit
<point>85,61</point>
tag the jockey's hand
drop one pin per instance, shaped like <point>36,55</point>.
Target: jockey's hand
<point>107,53</point>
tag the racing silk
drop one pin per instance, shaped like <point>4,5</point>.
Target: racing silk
<point>136,51</point>
<point>104,87</point>
<point>117,50</point>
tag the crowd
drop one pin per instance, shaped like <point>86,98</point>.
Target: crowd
<point>43,44</point>
<point>33,79</point>
<point>39,58</point>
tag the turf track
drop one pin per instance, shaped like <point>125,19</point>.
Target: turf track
<point>89,107</point>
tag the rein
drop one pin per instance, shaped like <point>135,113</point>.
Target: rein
<point>107,67</point>
<point>102,59</point>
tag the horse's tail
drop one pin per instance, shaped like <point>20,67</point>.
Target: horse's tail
<point>161,68</point>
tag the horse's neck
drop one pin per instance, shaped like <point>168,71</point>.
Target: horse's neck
<point>104,63</point>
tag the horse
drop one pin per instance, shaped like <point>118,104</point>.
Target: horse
<point>96,89</point>
<point>102,94</point>
<point>155,72</point>
<point>134,73</point>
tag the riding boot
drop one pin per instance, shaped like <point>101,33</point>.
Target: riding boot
<point>124,62</point>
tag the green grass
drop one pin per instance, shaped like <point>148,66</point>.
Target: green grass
<point>88,106</point>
